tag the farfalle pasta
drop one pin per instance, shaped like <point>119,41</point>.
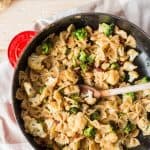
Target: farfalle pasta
<point>59,115</point>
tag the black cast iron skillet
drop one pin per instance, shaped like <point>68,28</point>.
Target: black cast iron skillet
<point>80,20</point>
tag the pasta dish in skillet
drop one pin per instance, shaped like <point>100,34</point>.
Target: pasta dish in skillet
<point>59,115</point>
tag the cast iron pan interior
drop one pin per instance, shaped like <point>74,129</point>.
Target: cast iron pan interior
<point>80,20</point>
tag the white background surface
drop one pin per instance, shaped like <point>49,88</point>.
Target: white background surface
<point>22,14</point>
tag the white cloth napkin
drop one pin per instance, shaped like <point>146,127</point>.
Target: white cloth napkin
<point>11,138</point>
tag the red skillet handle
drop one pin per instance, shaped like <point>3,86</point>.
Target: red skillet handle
<point>18,44</point>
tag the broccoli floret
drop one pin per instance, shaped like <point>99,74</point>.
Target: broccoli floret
<point>114,65</point>
<point>120,114</point>
<point>90,59</point>
<point>74,61</point>
<point>83,57</point>
<point>75,96</point>
<point>41,90</point>
<point>145,79</point>
<point>80,34</point>
<point>107,29</point>
<point>46,47</point>
<point>84,67</point>
<point>89,132</point>
<point>130,94</point>
<point>129,127</point>
<point>74,110</point>
<point>85,60</point>
<point>95,115</point>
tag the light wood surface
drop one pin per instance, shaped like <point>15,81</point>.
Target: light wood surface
<point>22,15</point>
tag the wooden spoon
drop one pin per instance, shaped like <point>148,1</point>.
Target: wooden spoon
<point>116,91</point>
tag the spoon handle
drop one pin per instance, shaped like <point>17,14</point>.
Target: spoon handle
<point>123,90</point>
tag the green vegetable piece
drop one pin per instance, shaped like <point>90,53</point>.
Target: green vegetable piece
<point>95,115</point>
<point>74,64</point>
<point>83,57</point>
<point>80,34</point>
<point>76,103</point>
<point>74,110</point>
<point>130,94</point>
<point>89,132</point>
<point>44,101</point>
<point>120,114</point>
<point>145,79</point>
<point>45,48</point>
<point>107,29</point>
<point>84,67</point>
<point>41,90</point>
<point>129,127</point>
<point>75,96</point>
<point>114,65</point>
<point>90,59</point>
<point>85,60</point>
